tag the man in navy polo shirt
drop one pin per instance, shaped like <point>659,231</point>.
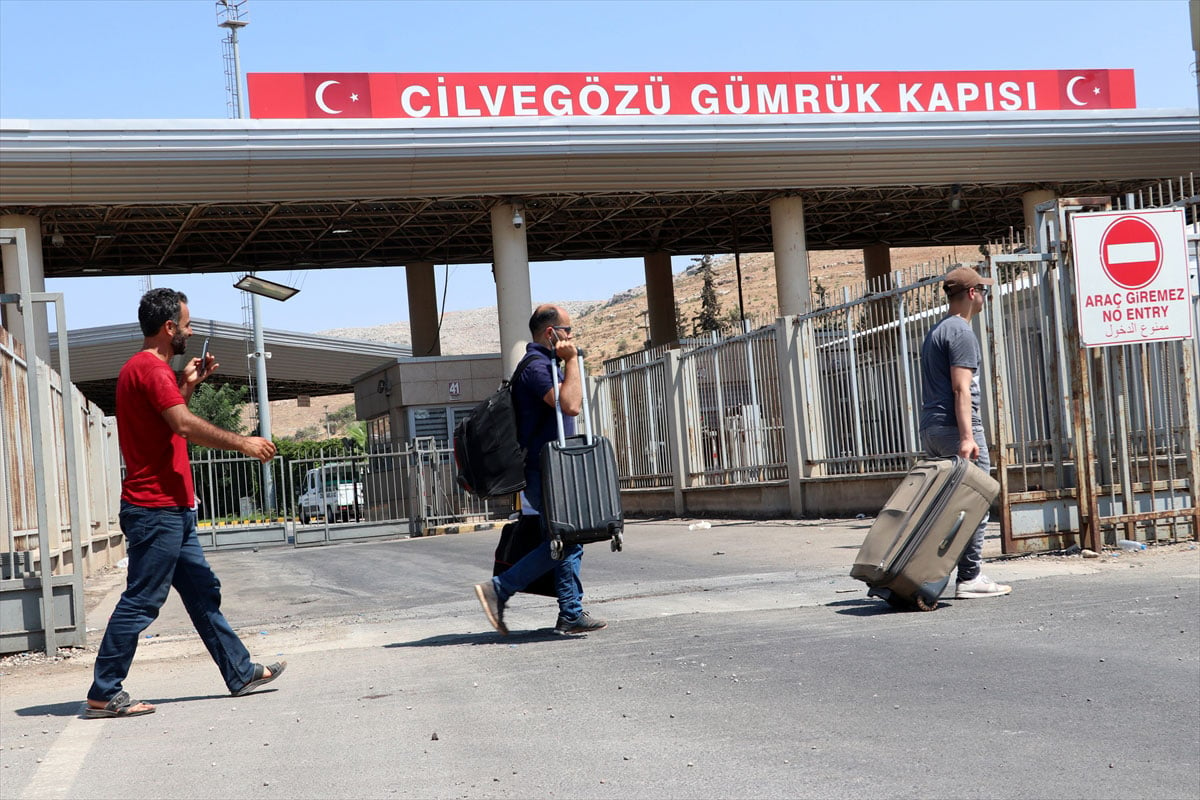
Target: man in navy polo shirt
<point>533,397</point>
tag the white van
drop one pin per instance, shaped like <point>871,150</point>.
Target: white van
<point>330,491</point>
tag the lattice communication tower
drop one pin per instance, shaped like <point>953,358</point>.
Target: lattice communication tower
<point>232,15</point>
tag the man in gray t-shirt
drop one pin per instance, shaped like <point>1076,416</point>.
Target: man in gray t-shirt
<point>951,343</point>
<point>950,420</point>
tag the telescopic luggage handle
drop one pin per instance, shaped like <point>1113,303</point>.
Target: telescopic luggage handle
<point>587,417</point>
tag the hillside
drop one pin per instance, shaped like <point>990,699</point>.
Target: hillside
<point>608,328</point>
<point>619,325</point>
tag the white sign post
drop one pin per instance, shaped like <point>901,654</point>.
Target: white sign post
<point>1131,277</point>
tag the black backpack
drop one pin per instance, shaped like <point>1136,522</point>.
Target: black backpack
<point>490,460</point>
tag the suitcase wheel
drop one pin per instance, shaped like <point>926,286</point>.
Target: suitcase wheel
<point>556,549</point>
<point>924,606</point>
<point>904,604</point>
<point>616,542</point>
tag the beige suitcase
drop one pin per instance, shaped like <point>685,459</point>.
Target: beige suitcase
<point>920,533</point>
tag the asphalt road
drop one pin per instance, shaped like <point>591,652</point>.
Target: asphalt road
<point>741,661</point>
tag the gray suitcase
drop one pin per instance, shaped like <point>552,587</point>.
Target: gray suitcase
<point>920,533</point>
<point>581,496</point>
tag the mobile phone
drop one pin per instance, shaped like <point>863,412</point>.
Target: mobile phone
<point>203,359</point>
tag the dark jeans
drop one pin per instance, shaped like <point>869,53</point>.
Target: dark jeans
<point>538,562</point>
<point>164,552</point>
<point>944,442</point>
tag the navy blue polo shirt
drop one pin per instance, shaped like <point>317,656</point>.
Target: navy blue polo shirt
<point>536,423</point>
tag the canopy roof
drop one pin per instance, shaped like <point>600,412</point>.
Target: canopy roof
<point>301,363</point>
<point>177,196</point>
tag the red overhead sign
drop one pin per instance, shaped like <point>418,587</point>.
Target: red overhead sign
<point>390,95</point>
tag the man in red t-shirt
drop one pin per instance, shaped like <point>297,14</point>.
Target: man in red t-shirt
<point>158,515</point>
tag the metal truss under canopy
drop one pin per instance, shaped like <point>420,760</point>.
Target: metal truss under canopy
<point>229,237</point>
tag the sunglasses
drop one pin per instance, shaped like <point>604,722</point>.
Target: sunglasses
<point>564,328</point>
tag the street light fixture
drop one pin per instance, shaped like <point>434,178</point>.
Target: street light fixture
<point>257,287</point>
<point>266,288</point>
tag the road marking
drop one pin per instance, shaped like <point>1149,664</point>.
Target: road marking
<point>56,774</point>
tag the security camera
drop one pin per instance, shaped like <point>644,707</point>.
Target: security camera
<point>57,240</point>
<point>518,219</point>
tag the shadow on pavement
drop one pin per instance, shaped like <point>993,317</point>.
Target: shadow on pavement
<point>71,709</point>
<point>872,608</point>
<point>162,701</point>
<point>863,607</point>
<point>487,637</point>
<point>76,708</point>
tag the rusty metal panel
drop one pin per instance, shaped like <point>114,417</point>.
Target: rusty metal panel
<point>1144,416</point>
<point>1127,465</point>
<point>18,443</point>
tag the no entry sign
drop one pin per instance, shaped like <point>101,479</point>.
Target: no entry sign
<point>1131,252</point>
<point>1131,277</point>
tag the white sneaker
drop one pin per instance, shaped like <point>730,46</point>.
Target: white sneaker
<point>982,586</point>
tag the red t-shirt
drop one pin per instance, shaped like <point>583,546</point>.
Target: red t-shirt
<point>157,472</point>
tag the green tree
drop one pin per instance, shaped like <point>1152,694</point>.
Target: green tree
<point>709,318</point>
<point>222,406</point>
<point>356,432</point>
<point>221,483</point>
<point>680,325</point>
<point>343,416</point>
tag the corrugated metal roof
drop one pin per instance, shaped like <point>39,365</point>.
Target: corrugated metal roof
<point>105,161</point>
<point>169,196</point>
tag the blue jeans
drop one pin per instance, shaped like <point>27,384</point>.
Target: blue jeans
<point>164,552</point>
<point>943,441</point>
<point>537,562</point>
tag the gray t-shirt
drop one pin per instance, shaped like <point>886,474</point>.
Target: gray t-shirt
<point>950,343</point>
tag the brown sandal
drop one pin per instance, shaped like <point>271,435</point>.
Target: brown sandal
<point>258,681</point>
<point>120,706</point>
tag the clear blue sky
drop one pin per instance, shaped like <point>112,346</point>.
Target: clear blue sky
<point>161,59</point>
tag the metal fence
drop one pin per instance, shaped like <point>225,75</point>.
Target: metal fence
<point>95,500</point>
<point>733,412</point>
<point>59,477</point>
<point>717,412</point>
<point>632,411</point>
<point>1104,439</point>
<point>868,366</point>
<point>231,509</point>
<point>863,390</point>
<point>18,498</point>
<point>335,495</point>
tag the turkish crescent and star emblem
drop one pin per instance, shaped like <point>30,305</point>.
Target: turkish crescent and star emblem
<point>1085,89</point>
<point>344,95</point>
